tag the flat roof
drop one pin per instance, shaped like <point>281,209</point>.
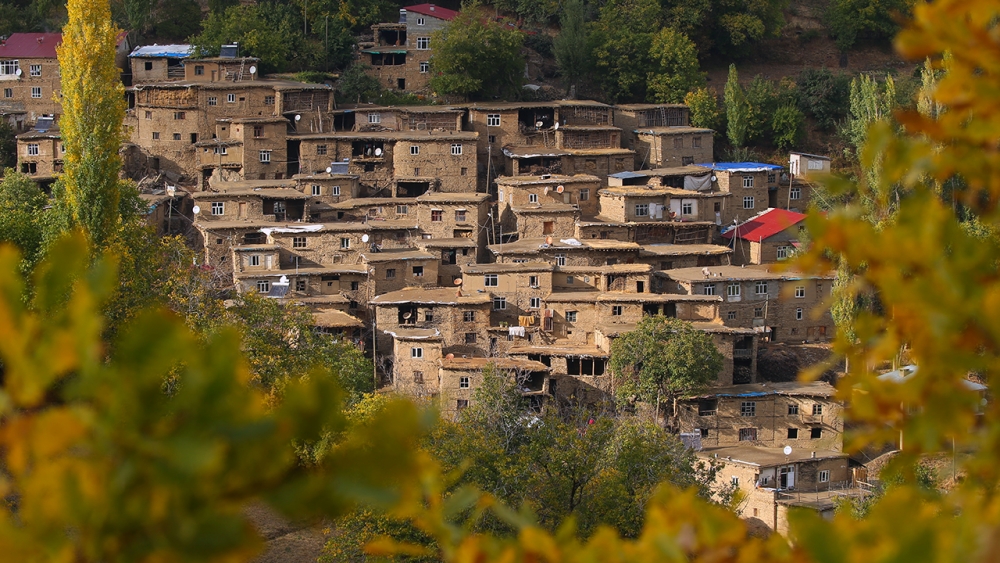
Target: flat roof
<point>687,170</point>
<point>672,130</point>
<point>532,245</point>
<point>335,318</point>
<point>607,269</point>
<point>448,197</point>
<point>393,255</point>
<point>767,457</point>
<point>466,364</point>
<point>248,185</point>
<point>786,388</point>
<point>414,333</point>
<point>454,242</point>
<point>569,349</point>
<point>621,297</point>
<point>533,152</point>
<point>507,268</point>
<point>309,271</point>
<point>642,107</point>
<point>542,208</point>
<point>392,135</point>
<point>163,51</point>
<point>279,193</point>
<point>684,249</point>
<point>546,179</point>
<point>741,166</point>
<point>737,273</point>
<point>432,296</point>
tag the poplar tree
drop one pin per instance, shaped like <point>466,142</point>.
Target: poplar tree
<point>93,102</point>
<point>737,109</point>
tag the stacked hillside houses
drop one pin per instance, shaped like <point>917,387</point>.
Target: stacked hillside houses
<point>443,239</point>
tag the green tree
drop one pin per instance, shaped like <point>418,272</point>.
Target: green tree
<point>661,360</point>
<point>621,38</point>
<point>675,67</point>
<point>738,110</point>
<point>571,46</point>
<point>181,22</point>
<point>703,105</point>
<point>356,85</point>
<point>476,57</point>
<point>824,96</point>
<point>93,106</point>
<point>8,145</point>
<point>787,127</point>
<point>22,203</point>
<point>726,28</point>
<point>271,31</point>
<point>875,19</point>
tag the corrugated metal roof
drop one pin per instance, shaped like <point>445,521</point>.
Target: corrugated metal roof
<point>741,166</point>
<point>765,225</point>
<point>30,46</point>
<point>164,51</point>
<point>433,11</point>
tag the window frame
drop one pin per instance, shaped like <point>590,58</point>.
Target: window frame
<point>36,92</point>
<point>499,303</point>
<point>423,43</point>
<point>218,208</point>
<point>416,352</point>
<point>35,70</point>
<point>748,408</point>
<point>747,181</point>
<point>749,202</point>
<point>265,156</point>
<point>493,120</point>
<point>456,149</point>
<point>641,210</point>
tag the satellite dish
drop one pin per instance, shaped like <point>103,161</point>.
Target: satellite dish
<point>458,281</point>
<point>560,189</point>
<point>407,315</point>
<point>539,124</point>
<point>556,126</point>
<point>364,238</point>
<point>378,152</point>
<point>196,210</point>
<point>329,170</point>
<point>253,70</point>
<point>298,117</point>
<point>450,357</point>
<point>17,72</point>
<point>546,190</point>
<point>714,179</point>
<point>788,450</point>
<point>548,240</point>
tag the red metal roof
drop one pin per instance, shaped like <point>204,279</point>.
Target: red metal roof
<point>765,225</point>
<point>433,11</point>
<point>30,46</point>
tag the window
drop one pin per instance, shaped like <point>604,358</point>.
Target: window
<point>35,70</point>
<point>748,202</point>
<point>9,67</point>
<point>258,131</point>
<point>532,198</point>
<point>268,100</point>
<point>490,280</point>
<point>263,286</point>
<point>425,67</point>
<point>218,208</point>
<point>36,92</point>
<point>800,291</point>
<point>798,313</point>
<point>470,338</point>
<point>696,142</point>
<point>418,271</point>
<point>493,120</point>
<point>761,288</point>
<point>418,377</point>
<point>354,287</point>
<point>570,280</point>
<point>815,433</point>
<point>463,382</point>
<point>793,433</point>
<point>213,101</point>
<point>571,316</point>
<point>298,242</point>
<point>416,352</point>
<point>817,409</point>
<point>414,150</point>
<point>402,210</point>
<point>177,136</point>
<point>374,118</point>
<point>532,281</point>
<point>345,243</point>
<point>265,157</point>
<point>199,70</point>
<point>534,302</point>
<point>687,208</point>
<point>708,289</point>
<point>748,434</point>
<point>423,43</point>
<point>420,21</point>
<point>824,476</point>
<point>437,215</point>
<point>461,404</point>
<point>642,210</point>
<point>460,215</point>
<point>33,149</point>
<point>678,142</point>
<point>220,150</point>
<point>771,177</point>
<point>300,285</point>
<point>748,408</point>
<point>254,259</point>
<point>182,115</point>
<point>491,139</point>
<point>561,260</point>
<point>320,150</point>
<point>469,316</point>
<point>456,150</point>
<point>748,181</point>
<point>335,190</point>
<point>734,480</point>
<point>390,273</point>
<point>783,252</point>
<point>231,98</point>
<point>704,432</point>
<point>9,93</point>
<point>584,194</point>
<point>795,193</point>
<point>317,189</point>
<point>733,290</point>
<point>793,408</point>
<point>731,316</point>
<point>499,303</point>
<point>616,310</point>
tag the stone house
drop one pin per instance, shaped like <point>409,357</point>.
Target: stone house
<point>453,215</point>
<point>29,75</point>
<point>787,306</point>
<point>458,379</point>
<point>773,482</point>
<point>524,192</point>
<point>40,151</point>
<point>228,67</point>
<point>567,252</point>
<point>664,147</point>
<point>754,187</point>
<point>807,166</point>
<point>459,318</point>
<point>253,201</point>
<point>630,117</point>
<point>401,268</point>
<point>544,220</point>
<point>455,253</point>
<point>646,232</point>
<point>158,63</point>
<point>400,53</point>
<point>770,237</point>
<point>517,290</point>
<point>578,372</point>
<point>669,256</point>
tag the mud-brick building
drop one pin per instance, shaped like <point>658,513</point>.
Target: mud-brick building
<point>578,372</point>
<point>646,232</point>
<point>630,117</point>
<point>159,63</point>
<point>29,75</point>
<point>807,166</point>
<point>669,256</point>
<point>453,215</point>
<point>454,254</point>
<point>770,237</point>
<point>400,268</point>
<point>567,252</point>
<point>786,306</point>
<point>665,147</point>
<point>458,379</point>
<point>460,318</point>
<point>399,54</point>
<point>252,201</point>
<point>524,192</point>
<point>40,151</point>
<point>395,163</point>
<point>754,187</point>
<point>800,415</point>
<point>773,482</point>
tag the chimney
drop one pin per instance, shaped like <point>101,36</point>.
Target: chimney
<point>432,7</point>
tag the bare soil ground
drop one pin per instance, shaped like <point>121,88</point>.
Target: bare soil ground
<point>287,542</point>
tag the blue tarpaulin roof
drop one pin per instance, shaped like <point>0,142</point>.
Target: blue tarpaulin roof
<point>627,175</point>
<point>164,51</point>
<point>741,166</point>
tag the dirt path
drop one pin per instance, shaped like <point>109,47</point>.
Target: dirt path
<point>286,542</point>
